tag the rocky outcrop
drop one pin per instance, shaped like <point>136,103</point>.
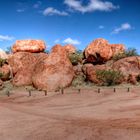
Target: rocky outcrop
<point>5,71</point>
<point>100,51</point>
<point>22,65</point>
<point>130,67</point>
<point>53,72</point>
<point>90,72</point>
<point>32,46</point>
<point>70,48</point>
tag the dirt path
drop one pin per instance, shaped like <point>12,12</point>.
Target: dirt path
<point>84,116</point>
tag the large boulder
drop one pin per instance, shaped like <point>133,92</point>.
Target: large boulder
<point>90,71</point>
<point>100,51</point>
<point>53,72</point>
<point>33,46</point>
<point>3,54</point>
<point>130,67</point>
<point>22,65</point>
<point>5,71</point>
<point>70,48</point>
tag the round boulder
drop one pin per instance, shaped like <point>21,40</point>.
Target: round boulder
<point>100,51</point>
<point>53,72</point>
<point>33,46</point>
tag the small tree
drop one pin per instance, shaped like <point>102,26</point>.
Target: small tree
<point>127,53</point>
<point>9,50</point>
<point>79,80</point>
<point>109,77</point>
<point>2,62</point>
<point>76,57</point>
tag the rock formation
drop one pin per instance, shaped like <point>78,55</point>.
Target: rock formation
<point>70,48</point>
<point>100,51</point>
<point>53,72</point>
<point>130,67</point>
<point>22,64</point>
<point>90,71</point>
<point>32,46</point>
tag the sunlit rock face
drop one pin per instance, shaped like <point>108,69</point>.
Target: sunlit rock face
<point>101,51</point>
<point>53,72</point>
<point>32,46</point>
<point>70,48</point>
<point>130,67</point>
<point>22,65</point>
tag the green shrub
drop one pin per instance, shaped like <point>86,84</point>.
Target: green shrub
<point>127,53</point>
<point>2,62</point>
<point>109,77</point>
<point>79,80</point>
<point>1,75</point>
<point>76,58</point>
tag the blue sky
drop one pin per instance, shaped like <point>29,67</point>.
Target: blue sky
<point>70,21</point>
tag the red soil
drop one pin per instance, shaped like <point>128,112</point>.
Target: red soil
<point>71,116</point>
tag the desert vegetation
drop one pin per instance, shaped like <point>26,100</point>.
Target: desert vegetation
<point>109,77</point>
<point>76,57</point>
<point>127,53</point>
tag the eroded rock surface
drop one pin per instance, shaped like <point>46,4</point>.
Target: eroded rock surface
<point>33,46</point>
<point>53,72</point>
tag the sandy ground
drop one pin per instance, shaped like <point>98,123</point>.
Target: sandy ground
<point>72,116</point>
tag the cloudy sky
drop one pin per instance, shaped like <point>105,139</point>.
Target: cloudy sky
<point>70,21</point>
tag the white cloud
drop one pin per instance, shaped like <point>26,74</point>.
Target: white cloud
<point>57,41</point>
<point>37,4</point>
<point>50,11</point>
<point>101,27</point>
<point>20,10</point>
<point>6,38</point>
<point>93,5</point>
<point>123,27</point>
<point>72,41</point>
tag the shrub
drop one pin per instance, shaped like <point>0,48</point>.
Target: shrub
<point>79,80</point>
<point>138,78</point>
<point>109,77</point>
<point>76,58</point>
<point>1,75</point>
<point>2,62</point>
<point>127,53</point>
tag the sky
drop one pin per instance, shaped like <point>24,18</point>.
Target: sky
<point>76,22</point>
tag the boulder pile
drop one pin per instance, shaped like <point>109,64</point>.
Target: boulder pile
<point>100,51</point>
<point>30,65</point>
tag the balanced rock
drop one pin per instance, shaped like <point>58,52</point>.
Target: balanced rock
<point>53,72</point>
<point>33,46</point>
<point>100,51</point>
<point>70,48</point>
<point>130,68</point>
